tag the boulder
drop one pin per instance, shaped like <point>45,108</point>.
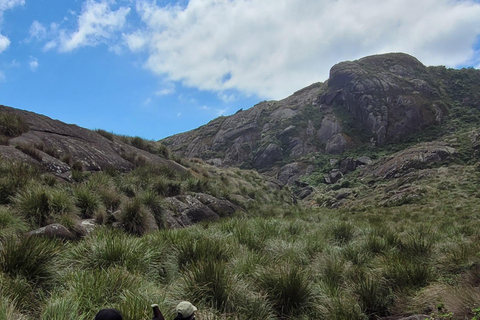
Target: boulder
<point>304,192</point>
<point>289,172</point>
<point>333,176</point>
<point>417,157</point>
<point>221,207</point>
<point>186,210</point>
<point>55,230</point>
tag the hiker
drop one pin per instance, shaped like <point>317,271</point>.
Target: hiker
<point>108,314</point>
<point>185,311</point>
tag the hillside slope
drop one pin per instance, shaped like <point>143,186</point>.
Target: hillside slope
<point>377,100</point>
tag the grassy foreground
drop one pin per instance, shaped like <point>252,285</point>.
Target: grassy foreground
<point>273,261</point>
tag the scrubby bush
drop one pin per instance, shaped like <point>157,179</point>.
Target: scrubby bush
<point>29,257</point>
<point>12,125</point>
<point>288,288</point>
<point>86,200</point>
<point>134,217</point>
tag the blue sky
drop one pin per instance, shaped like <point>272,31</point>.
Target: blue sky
<point>156,68</point>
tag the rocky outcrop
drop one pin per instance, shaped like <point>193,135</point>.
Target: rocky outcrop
<point>56,231</point>
<point>58,146</point>
<point>391,95</point>
<point>417,157</point>
<point>374,100</point>
<point>186,210</point>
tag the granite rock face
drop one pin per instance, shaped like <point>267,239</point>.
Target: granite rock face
<point>374,100</point>
<point>52,140</point>
<point>391,95</point>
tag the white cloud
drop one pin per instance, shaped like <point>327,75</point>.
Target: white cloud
<point>96,24</point>
<point>168,88</point>
<point>8,4</point>
<point>50,45</point>
<point>33,63</point>
<point>5,5</point>
<point>274,47</point>
<point>37,30</point>
<point>4,43</point>
<point>135,41</point>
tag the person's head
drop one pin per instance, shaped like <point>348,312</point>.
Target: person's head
<point>185,310</point>
<point>108,314</point>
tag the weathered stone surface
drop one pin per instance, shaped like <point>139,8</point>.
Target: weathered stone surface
<point>289,173</point>
<point>269,156</point>
<point>86,226</point>
<point>221,207</point>
<point>92,150</point>
<point>337,144</point>
<point>333,176</point>
<point>186,210</point>
<point>375,100</point>
<point>328,128</point>
<point>53,231</point>
<point>363,161</point>
<point>304,192</point>
<point>391,95</point>
<point>417,157</point>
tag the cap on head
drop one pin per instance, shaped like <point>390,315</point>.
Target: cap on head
<point>108,314</point>
<point>186,309</point>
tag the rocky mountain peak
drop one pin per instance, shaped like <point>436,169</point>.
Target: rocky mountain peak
<point>375,100</point>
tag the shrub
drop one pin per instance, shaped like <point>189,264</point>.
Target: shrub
<point>210,283</point>
<point>29,257</point>
<point>196,185</point>
<point>374,295</point>
<point>191,251</point>
<point>33,203</point>
<point>139,143</point>
<point>92,290</point>
<point>12,125</point>
<point>30,150</point>
<point>163,151</point>
<point>77,166</point>
<point>407,272</point>
<point>22,294</point>
<point>60,201</point>
<point>288,288</point>
<point>110,198</point>
<point>107,248</point>
<point>105,134</point>
<point>418,243</point>
<point>167,188</point>
<point>10,223</point>
<point>86,200</point>
<point>60,308</point>
<point>342,233</point>
<point>134,217</point>
<point>153,202</point>
<point>67,158</point>
<point>332,271</point>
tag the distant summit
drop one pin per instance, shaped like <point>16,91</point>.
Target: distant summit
<point>372,101</point>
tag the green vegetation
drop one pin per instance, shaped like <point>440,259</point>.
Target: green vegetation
<point>12,125</point>
<point>270,262</point>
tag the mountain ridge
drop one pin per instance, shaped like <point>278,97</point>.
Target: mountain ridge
<point>376,100</point>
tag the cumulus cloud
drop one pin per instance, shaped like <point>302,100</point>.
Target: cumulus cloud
<point>33,63</point>
<point>4,43</point>
<point>8,4</point>
<point>37,30</point>
<point>96,24</point>
<point>5,5</point>
<point>274,47</point>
